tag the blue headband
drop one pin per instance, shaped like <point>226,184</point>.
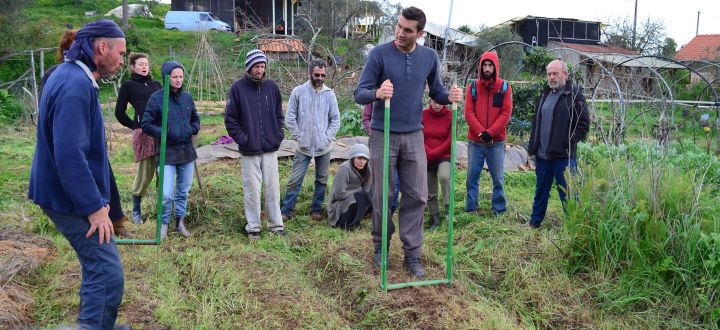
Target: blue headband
<point>82,48</point>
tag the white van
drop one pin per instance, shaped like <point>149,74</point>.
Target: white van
<point>194,21</point>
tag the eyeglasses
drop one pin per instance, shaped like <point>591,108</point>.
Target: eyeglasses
<point>319,75</point>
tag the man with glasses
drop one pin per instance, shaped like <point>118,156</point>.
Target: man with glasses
<point>313,119</point>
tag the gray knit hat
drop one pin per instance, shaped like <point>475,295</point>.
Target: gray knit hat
<point>254,56</point>
<point>359,150</point>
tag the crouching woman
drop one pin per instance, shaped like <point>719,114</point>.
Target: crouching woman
<point>350,199</point>
<point>182,123</point>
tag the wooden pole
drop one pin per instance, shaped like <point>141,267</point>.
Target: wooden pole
<point>42,63</point>
<point>34,79</point>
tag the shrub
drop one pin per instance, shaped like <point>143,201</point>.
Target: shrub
<point>648,218</point>
<point>524,98</point>
<point>351,124</point>
<point>10,108</point>
<point>693,92</point>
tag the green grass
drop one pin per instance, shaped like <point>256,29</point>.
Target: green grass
<point>506,276</point>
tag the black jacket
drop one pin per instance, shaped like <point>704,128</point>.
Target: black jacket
<point>571,122</point>
<point>254,116</point>
<point>137,91</point>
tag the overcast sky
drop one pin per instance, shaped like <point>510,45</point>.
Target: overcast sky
<point>679,16</point>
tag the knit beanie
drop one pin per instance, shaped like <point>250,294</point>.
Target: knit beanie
<point>359,150</point>
<point>253,57</point>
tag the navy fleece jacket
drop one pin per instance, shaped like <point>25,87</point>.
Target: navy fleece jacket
<point>254,116</point>
<point>70,172</point>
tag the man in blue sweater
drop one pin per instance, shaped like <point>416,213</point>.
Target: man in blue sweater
<point>398,71</point>
<point>70,175</point>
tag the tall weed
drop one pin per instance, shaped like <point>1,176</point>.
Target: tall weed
<point>646,217</point>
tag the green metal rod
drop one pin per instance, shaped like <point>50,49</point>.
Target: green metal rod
<point>136,242</point>
<point>451,207</point>
<point>451,213</point>
<point>161,175</point>
<point>418,283</point>
<point>163,146</point>
<point>386,168</point>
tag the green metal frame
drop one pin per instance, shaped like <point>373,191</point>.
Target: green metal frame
<point>384,285</point>
<point>161,176</point>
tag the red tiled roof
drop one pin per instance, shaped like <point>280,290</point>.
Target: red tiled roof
<point>702,47</point>
<point>281,45</point>
<point>601,49</point>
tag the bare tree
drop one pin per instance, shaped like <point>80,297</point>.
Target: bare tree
<point>337,15</point>
<point>511,56</point>
<point>649,36</point>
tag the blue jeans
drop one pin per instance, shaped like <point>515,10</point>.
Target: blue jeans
<point>297,175</point>
<point>178,178</point>
<point>494,155</point>
<point>102,284</point>
<point>545,172</point>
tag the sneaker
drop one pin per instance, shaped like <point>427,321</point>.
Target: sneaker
<point>317,216</point>
<point>280,232</point>
<point>414,267</point>
<point>254,236</point>
<point>533,226</point>
<point>285,217</point>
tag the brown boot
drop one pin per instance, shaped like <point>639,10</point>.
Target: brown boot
<point>317,216</point>
<point>120,229</point>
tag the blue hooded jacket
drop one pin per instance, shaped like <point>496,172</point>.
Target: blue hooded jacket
<point>183,121</point>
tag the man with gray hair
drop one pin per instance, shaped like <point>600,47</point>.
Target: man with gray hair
<point>313,119</point>
<point>254,119</point>
<point>70,178</point>
<point>561,121</point>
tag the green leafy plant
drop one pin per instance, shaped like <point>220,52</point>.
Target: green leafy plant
<point>524,98</point>
<point>10,108</point>
<point>351,124</point>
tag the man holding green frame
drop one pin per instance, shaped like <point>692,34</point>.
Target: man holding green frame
<point>399,71</point>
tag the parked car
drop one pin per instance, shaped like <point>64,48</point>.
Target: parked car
<point>194,21</point>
